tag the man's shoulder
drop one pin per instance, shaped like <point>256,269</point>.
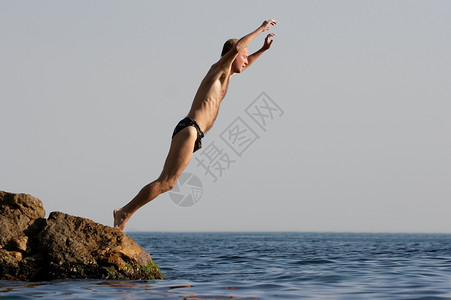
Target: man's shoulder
<point>218,71</point>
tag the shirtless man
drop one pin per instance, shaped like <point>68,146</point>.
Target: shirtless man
<point>187,135</point>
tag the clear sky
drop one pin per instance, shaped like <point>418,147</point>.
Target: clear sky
<point>90,92</point>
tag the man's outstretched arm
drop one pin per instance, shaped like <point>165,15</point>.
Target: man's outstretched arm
<point>267,44</point>
<point>247,39</point>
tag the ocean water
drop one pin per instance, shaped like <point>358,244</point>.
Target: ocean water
<point>272,266</point>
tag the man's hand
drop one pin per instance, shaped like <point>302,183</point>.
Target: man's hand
<point>268,42</point>
<point>265,25</point>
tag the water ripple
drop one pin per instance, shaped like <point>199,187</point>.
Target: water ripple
<point>272,266</point>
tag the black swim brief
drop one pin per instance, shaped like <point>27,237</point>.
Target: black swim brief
<point>190,122</point>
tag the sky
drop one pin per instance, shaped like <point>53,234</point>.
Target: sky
<point>342,126</point>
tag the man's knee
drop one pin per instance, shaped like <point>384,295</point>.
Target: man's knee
<point>167,184</point>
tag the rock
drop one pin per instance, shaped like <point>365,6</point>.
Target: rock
<point>64,246</point>
<point>17,213</point>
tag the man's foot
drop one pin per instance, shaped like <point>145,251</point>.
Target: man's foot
<point>120,219</point>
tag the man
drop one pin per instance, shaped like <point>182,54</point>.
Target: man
<point>187,135</point>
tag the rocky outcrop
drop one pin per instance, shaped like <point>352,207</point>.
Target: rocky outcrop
<point>64,246</point>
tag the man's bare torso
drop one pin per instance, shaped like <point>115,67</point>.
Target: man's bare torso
<point>211,92</point>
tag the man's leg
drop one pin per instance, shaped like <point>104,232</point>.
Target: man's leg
<point>178,158</point>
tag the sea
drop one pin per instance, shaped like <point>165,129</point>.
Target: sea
<point>276,265</point>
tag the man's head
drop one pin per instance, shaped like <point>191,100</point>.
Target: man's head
<point>240,62</point>
<point>228,45</point>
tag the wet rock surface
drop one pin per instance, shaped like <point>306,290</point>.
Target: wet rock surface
<point>63,246</point>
